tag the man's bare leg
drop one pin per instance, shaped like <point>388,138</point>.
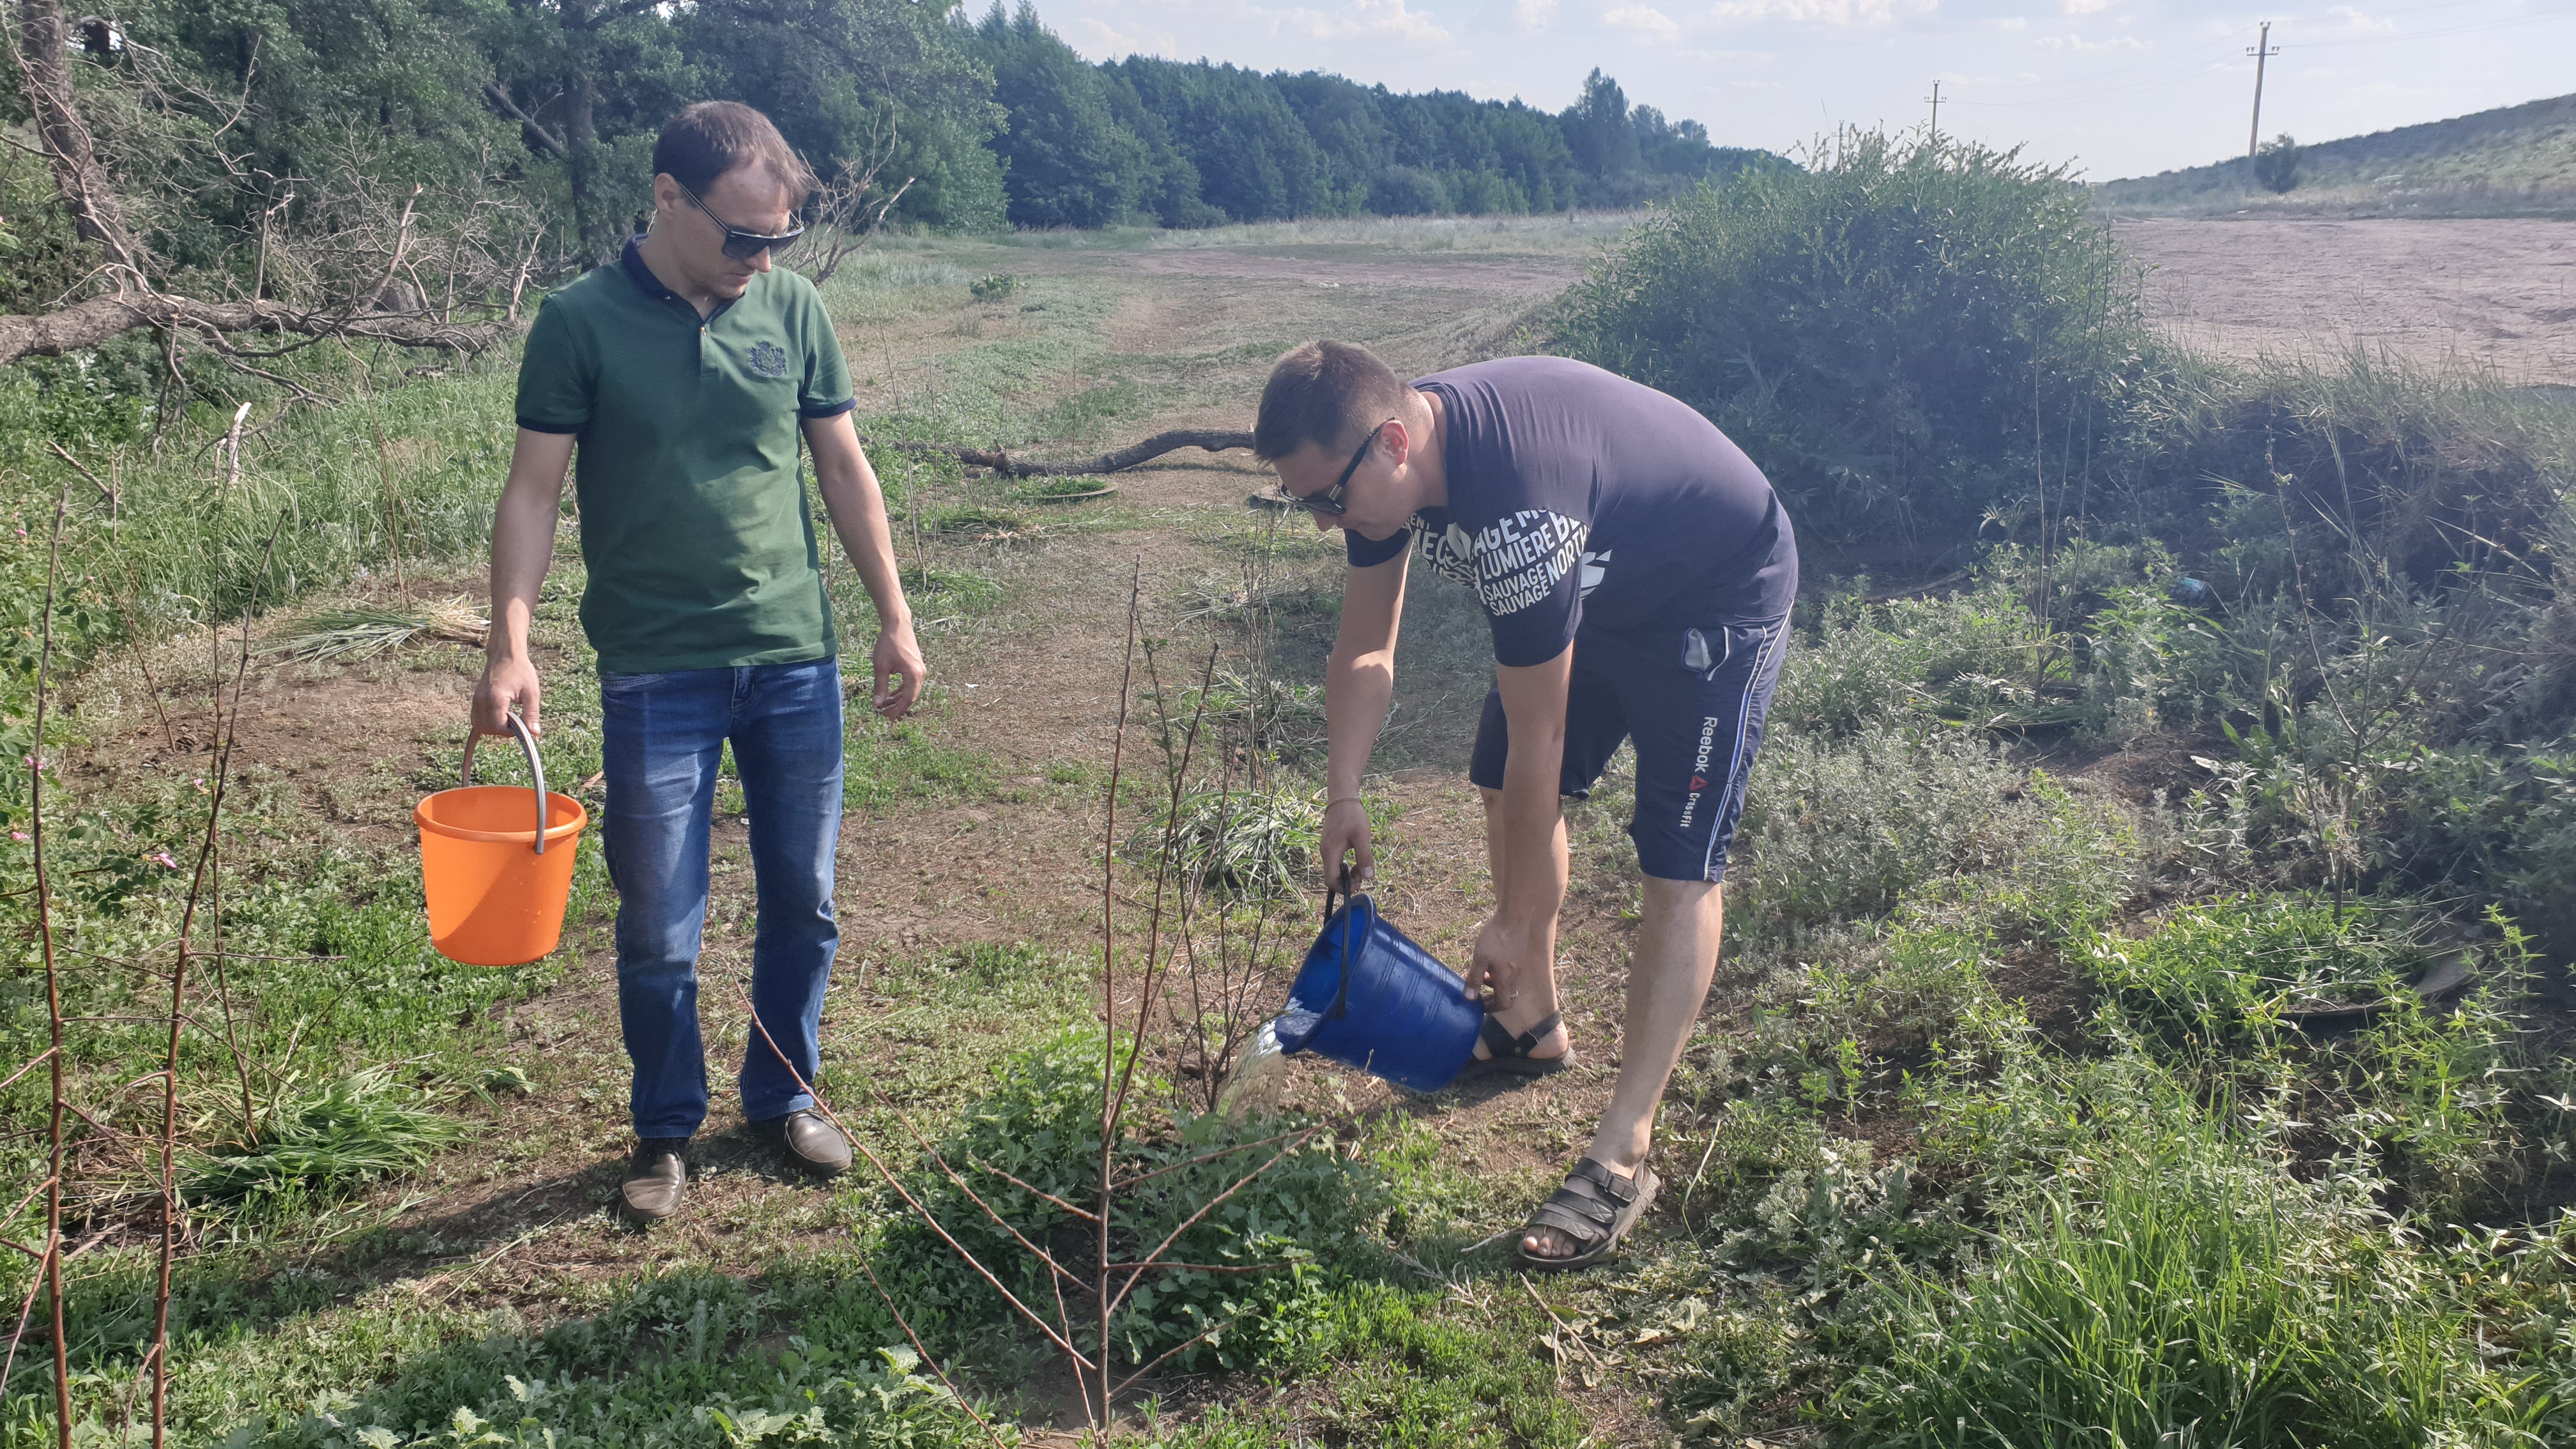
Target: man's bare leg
<point>1667,985</point>
<point>1525,1004</point>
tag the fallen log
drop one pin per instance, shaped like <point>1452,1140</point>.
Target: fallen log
<point>87,324</point>
<point>1000,460</point>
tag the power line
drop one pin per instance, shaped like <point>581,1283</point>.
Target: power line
<point>1936,114</point>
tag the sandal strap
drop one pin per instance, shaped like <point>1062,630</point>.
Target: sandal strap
<point>1500,1042</point>
<point>1587,1209</point>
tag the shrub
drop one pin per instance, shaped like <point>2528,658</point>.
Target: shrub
<point>2276,164</point>
<point>1885,330</point>
<point>1845,829</point>
<point>1865,664</point>
<point>1040,1123</point>
<point>1407,191</point>
<point>2225,973</point>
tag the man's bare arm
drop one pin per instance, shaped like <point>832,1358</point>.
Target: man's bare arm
<point>857,508</point>
<point>523,545</point>
<point>1359,684</point>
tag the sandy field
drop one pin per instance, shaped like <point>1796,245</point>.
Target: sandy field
<point>2491,293</point>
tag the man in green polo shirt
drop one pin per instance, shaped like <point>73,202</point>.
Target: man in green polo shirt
<point>686,376</point>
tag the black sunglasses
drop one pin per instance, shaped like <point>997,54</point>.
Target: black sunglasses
<point>742,245</point>
<point>1330,502</point>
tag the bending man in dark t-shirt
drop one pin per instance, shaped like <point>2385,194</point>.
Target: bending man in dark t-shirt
<point>1637,570</point>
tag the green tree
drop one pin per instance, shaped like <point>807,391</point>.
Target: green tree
<point>1598,129</point>
<point>1067,158</point>
<point>1254,158</point>
<point>833,73</point>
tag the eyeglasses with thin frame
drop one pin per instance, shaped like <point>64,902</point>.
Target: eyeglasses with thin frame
<point>742,245</point>
<point>1330,501</point>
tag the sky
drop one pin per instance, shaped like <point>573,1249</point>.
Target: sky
<point>2115,87</point>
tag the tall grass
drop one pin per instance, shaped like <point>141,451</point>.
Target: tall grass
<point>172,536</point>
<point>2183,1290</point>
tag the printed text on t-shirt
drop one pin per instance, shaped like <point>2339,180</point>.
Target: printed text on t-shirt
<point>1517,559</point>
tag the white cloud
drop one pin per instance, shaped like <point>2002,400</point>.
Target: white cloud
<point>1839,13</point>
<point>1109,42</point>
<point>1528,15</point>
<point>2382,94</point>
<point>1645,20</point>
<point>2080,44</point>
<point>2354,19</point>
<point>2085,7</point>
<point>1361,19</point>
<point>2011,22</point>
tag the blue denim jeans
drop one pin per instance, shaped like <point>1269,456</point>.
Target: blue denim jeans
<point>661,737</point>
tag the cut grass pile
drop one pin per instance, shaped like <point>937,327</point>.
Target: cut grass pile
<point>361,1128</point>
<point>364,633</point>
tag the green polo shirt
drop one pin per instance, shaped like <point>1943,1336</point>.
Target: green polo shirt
<point>694,523</point>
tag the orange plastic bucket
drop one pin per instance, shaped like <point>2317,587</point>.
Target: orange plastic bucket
<point>496,893</point>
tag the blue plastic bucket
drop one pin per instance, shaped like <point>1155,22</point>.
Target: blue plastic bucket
<point>1396,1012</point>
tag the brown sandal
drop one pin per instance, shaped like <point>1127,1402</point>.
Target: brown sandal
<point>1595,1208</point>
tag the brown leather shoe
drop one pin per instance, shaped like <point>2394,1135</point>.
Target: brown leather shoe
<point>810,1142</point>
<point>657,1177</point>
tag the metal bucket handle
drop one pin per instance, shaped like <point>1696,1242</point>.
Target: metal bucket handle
<point>536,767</point>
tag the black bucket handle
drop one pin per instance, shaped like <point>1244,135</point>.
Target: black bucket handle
<point>536,767</point>
<point>1341,885</point>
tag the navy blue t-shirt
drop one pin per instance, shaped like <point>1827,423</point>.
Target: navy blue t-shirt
<point>1580,499</point>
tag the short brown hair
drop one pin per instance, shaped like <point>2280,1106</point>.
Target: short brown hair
<point>711,138</point>
<point>1324,393</point>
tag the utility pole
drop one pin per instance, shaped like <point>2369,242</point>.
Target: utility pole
<point>1936,115</point>
<point>2263,50</point>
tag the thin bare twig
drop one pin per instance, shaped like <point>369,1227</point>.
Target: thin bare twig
<point>928,1219</point>
<point>49,1053</point>
<point>53,1262</point>
<point>917,1347</point>
<point>1210,1206</point>
<point>1109,983</point>
<point>1209,1156</point>
<point>178,1007</point>
<point>1193,1341</point>
<point>1084,1213</point>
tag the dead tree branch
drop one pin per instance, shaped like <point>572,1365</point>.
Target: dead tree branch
<point>539,138</point>
<point>851,208</point>
<point>1000,460</point>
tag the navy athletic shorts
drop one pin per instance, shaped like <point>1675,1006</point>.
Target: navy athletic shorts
<point>1694,700</point>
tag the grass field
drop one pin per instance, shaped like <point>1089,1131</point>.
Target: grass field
<point>2510,161</point>
<point>2003,1118</point>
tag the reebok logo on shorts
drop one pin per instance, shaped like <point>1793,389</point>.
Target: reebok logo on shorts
<point>1699,768</point>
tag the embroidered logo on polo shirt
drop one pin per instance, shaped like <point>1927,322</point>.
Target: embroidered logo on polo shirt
<point>768,359</point>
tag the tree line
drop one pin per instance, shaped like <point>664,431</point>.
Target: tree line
<point>995,119</point>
